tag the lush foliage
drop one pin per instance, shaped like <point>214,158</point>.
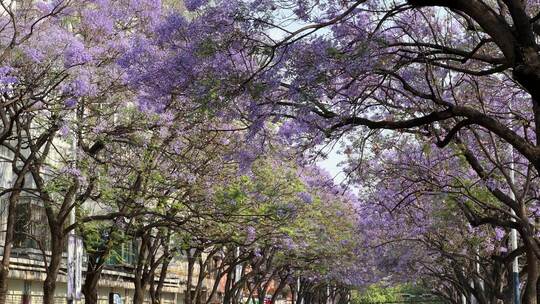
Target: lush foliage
<point>201,127</point>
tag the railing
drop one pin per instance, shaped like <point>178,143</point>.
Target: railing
<point>35,299</point>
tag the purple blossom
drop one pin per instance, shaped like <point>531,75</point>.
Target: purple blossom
<point>164,132</point>
<point>499,233</point>
<point>250,234</point>
<point>192,5</point>
<point>288,243</point>
<point>71,171</point>
<point>34,54</point>
<point>245,159</point>
<point>535,210</point>
<point>76,54</point>
<point>257,253</point>
<point>81,86</point>
<point>177,146</point>
<point>491,184</point>
<point>97,21</point>
<point>6,79</point>
<point>44,7</point>
<point>70,103</point>
<point>74,172</point>
<point>171,25</point>
<point>47,7</point>
<point>64,130</point>
<point>301,9</point>
<point>306,197</point>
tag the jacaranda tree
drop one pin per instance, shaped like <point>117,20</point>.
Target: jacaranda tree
<point>462,75</point>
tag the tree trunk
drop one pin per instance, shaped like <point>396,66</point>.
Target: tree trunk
<point>144,271</point>
<point>93,273</point>
<point>57,247</point>
<point>538,291</point>
<point>8,243</point>
<point>189,281</point>
<point>200,280</point>
<point>157,291</point>
<point>228,286</point>
<point>90,285</point>
<point>530,294</point>
<point>138,295</point>
<point>140,287</point>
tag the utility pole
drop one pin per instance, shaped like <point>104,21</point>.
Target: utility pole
<point>513,232</point>
<point>71,276</point>
<point>477,272</point>
<point>513,237</point>
<point>237,275</point>
<point>74,244</point>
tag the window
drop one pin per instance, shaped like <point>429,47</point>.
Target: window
<point>31,225</point>
<point>123,253</point>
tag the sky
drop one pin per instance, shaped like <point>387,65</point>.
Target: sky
<point>331,163</point>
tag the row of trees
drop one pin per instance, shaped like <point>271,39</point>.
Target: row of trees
<point>153,165</point>
<point>434,101</point>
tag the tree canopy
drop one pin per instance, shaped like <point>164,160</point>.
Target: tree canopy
<point>201,123</point>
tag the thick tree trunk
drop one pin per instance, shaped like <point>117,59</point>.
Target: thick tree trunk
<point>141,282</point>
<point>96,261</point>
<point>138,295</point>
<point>90,286</point>
<point>8,243</point>
<point>93,273</point>
<point>537,291</point>
<point>143,274</point>
<point>189,280</point>
<point>157,289</point>
<point>57,247</point>
<point>530,294</point>
<point>228,286</point>
<point>200,279</point>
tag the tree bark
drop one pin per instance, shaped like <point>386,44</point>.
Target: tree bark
<point>189,280</point>
<point>57,247</point>
<point>140,279</point>
<point>156,290</point>
<point>90,285</point>
<point>530,293</point>
<point>138,294</point>
<point>8,243</point>
<point>228,286</point>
